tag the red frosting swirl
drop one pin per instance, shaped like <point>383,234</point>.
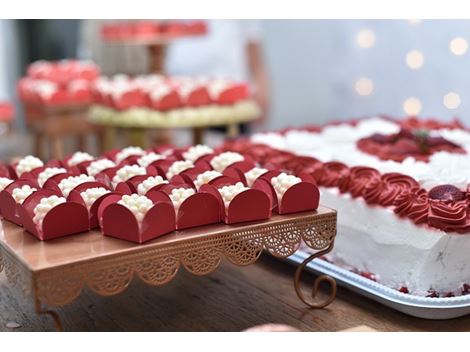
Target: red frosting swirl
<point>359,178</point>
<point>413,203</point>
<point>449,216</point>
<point>332,174</point>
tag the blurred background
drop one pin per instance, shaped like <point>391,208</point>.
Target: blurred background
<point>316,70</point>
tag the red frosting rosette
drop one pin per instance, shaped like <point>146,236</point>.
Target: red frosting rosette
<point>413,203</point>
<point>449,216</point>
<point>332,174</point>
<point>360,177</point>
<point>385,190</point>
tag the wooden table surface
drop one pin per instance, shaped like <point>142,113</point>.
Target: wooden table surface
<point>230,299</point>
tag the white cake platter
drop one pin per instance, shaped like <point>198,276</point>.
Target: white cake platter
<point>417,306</point>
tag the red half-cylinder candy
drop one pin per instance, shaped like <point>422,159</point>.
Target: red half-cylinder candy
<point>62,220</point>
<point>8,206</point>
<point>198,97</point>
<point>119,222</point>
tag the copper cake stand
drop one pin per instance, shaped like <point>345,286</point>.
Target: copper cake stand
<point>55,272</point>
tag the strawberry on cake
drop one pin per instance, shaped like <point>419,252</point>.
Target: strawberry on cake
<point>401,191</point>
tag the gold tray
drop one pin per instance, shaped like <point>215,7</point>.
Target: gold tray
<point>55,272</point>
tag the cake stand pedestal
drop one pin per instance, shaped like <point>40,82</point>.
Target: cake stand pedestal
<point>55,272</point>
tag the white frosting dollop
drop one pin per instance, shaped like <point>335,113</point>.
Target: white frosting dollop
<point>137,204</point>
<point>179,195</point>
<point>128,171</point>
<point>48,173</point>
<point>147,159</point>
<point>99,165</point>
<point>149,183</point>
<point>44,206</point>
<point>253,174</point>
<point>283,182</point>
<point>79,157</point>
<point>4,182</point>
<point>21,193</point>
<point>127,152</point>
<point>220,162</point>
<point>27,164</point>
<point>206,177</point>
<point>69,183</point>
<point>177,167</point>
<point>195,152</point>
<point>92,194</point>
<point>229,192</point>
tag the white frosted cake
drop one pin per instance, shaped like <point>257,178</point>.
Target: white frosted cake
<point>400,188</point>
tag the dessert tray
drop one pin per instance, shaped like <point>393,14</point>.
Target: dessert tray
<point>55,272</point>
<point>417,306</point>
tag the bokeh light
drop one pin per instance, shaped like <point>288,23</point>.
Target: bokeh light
<point>451,100</point>
<point>415,59</point>
<point>412,106</point>
<point>458,46</point>
<point>364,86</point>
<point>365,38</point>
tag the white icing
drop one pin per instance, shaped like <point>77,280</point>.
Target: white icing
<point>92,194</point>
<point>48,173</point>
<point>147,159</point>
<point>252,175</point>
<point>177,167</point>
<point>99,165</point>
<point>21,193</point>
<point>149,183</point>
<point>128,171</point>
<point>206,177</point>
<point>127,152</point>
<point>69,183</point>
<point>179,195</point>
<point>27,164</point>
<point>220,162</point>
<point>137,204</point>
<point>283,182</point>
<point>195,152</point>
<point>4,182</point>
<point>400,253</point>
<point>44,206</point>
<point>229,192</point>
<point>79,157</point>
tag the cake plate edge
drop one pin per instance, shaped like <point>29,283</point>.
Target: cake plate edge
<point>417,306</point>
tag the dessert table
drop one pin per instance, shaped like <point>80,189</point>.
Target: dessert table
<point>56,272</point>
<point>230,299</point>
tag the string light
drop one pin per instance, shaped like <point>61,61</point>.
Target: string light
<point>365,38</point>
<point>415,59</point>
<point>364,86</point>
<point>412,106</point>
<point>458,46</point>
<point>451,100</point>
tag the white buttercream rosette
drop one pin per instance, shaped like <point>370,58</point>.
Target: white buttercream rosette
<point>21,193</point>
<point>229,192</point>
<point>137,204</point>
<point>27,164</point>
<point>79,157</point>
<point>283,182</point>
<point>48,173</point>
<point>99,165</point>
<point>220,162</point>
<point>45,206</point>
<point>69,183</point>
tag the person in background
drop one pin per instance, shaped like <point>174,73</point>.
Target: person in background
<point>230,49</point>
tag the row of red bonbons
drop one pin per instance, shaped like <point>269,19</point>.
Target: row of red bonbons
<point>148,30</point>
<point>165,93</point>
<point>139,195</point>
<point>58,82</point>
